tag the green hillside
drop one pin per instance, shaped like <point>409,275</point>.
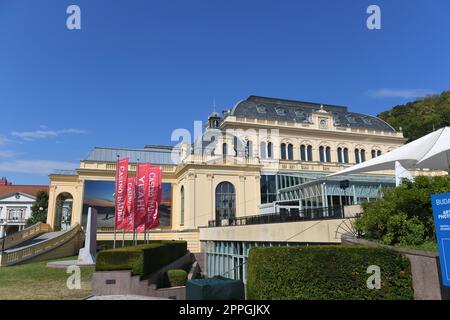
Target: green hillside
<point>418,118</point>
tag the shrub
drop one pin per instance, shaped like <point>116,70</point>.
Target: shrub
<point>177,277</point>
<point>404,214</point>
<point>326,272</point>
<point>142,259</point>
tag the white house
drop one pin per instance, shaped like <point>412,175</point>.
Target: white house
<point>15,206</point>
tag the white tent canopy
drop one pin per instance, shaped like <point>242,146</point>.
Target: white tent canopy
<point>438,157</point>
<point>430,151</point>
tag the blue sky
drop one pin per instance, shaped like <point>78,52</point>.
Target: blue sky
<point>139,69</point>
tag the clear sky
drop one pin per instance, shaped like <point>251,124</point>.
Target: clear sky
<point>139,69</point>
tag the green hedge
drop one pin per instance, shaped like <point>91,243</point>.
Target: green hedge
<point>142,259</point>
<point>326,273</point>
<point>177,277</point>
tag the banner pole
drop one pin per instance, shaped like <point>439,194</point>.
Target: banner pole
<point>115,200</point>
<point>135,203</point>
<point>114,242</point>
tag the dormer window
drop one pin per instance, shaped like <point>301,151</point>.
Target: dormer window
<point>300,114</point>
<point>303,116</point>
<point>280,111</point>
<point>261,108</point>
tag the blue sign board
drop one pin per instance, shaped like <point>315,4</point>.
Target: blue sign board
<point>441,212</point>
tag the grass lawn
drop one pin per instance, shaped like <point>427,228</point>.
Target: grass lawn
<point>38,282</point>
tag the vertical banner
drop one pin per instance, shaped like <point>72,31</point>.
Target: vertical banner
<point>141,209</point>
<point>121,192</point>
<point>129,213</point>
<point>155,221</point>
<point>153,198</point>
<point>441,213</point>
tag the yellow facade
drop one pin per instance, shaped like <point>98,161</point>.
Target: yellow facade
<point>198,175</point>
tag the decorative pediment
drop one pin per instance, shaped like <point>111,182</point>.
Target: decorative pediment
<point>17,197</point>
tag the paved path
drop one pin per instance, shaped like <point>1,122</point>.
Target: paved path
<point>33,241</point>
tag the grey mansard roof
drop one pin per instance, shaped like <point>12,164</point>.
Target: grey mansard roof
<point>154,154</point>
<point>300,111</point>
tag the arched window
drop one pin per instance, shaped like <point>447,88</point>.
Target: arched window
<point>325,154</point>
<point>342,154</point>
<point>249,149</point>
<point>262,150</point>
<point>290,152</point>
<point>345,155</point>
<point>235,146</point>
<point>328,154</point>
<point>225,201</point>
<point>339,154</point>
<point>376,153</point>
<point>321,154</point>
<point>283,151</point>
<point>269,150</point>
<point>182,205</point>
<point>303,152</point>
<point>360,155</point>
<point>306,153</point>
<point>309,153</point>
<point>224,149</point>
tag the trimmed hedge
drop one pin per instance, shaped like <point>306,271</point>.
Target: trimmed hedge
<point>177,277</point>
<point>143,259</point>
<point>326,273</point>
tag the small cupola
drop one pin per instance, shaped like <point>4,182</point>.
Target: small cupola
<point>214,120</point>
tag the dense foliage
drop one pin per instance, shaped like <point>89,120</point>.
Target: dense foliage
<point>326,273</point>
<point>39,208</point>
<point>420,117</point>
<point>177,277</point>
<point>403,216</point>
<point>143,259</point>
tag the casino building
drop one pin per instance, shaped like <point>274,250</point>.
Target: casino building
<point>255,176</point>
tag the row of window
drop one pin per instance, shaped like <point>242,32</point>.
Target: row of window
<point>306,152</point>
<point>287,153</point>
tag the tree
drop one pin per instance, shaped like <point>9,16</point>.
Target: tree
<point>420,117</point>
<point>39,208</point>
<point>404,215</point>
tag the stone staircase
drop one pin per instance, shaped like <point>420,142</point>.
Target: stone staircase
<point>36,243</point>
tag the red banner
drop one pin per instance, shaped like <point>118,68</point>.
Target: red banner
<point>121,192</point>
<point>154,199</point>
<point>129,213</point>
<point>141,208</point>
<point>155,220</point>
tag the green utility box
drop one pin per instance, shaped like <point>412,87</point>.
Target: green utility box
<point>217,288</point>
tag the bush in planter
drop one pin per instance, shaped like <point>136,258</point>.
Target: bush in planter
<point>143,259</point>
<point>326,273</point>
<point>177,277</point>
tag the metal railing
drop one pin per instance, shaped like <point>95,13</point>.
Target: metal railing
<point>283,216</point>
